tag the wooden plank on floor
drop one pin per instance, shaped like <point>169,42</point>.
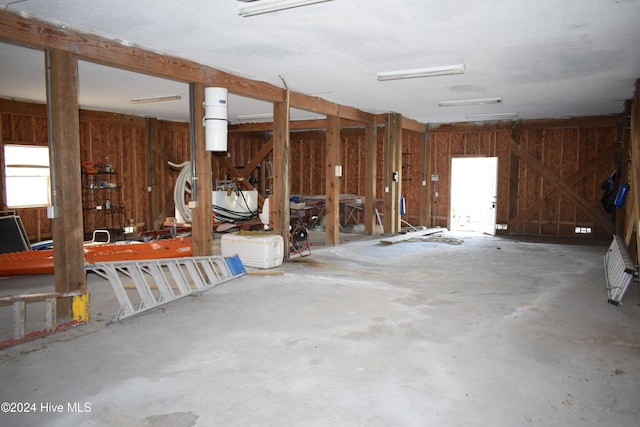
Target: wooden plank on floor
<point>413,234</point>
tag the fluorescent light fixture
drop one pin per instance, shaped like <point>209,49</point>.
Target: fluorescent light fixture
<point>268,116</point>
<point>306,119</point>
<point>265,116</point>
<point>251,8</point>
<point>156,99</point>
<point>421,72</point>
<point>492,116</point>
<point>463,102</point>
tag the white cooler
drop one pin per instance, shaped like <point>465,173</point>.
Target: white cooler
<point>260,251</point>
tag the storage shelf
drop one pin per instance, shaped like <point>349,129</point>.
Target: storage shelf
<point>100,189</point>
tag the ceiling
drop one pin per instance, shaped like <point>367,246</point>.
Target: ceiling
<point>544,58</point>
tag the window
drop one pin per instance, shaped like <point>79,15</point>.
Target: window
<point>27,176</point>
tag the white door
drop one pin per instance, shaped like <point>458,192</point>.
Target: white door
<point>474,186</point>
<point>491,195</point>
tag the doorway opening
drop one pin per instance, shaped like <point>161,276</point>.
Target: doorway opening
<point>474,186</point>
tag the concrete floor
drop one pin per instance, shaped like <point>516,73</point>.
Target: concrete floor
<point>490,332</point>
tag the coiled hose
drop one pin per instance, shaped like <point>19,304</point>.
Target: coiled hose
<point>183,186</point>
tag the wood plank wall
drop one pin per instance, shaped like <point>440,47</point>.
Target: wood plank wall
<point>562,146</point>
<point>565,151</point>
<point>467,141</point>
<point>168,142</point>
<point>307,163</point>
<point>242,147</point>
<point>117,139</point>
<point>25,124</point>
<point>110,139</point>
<point>413,171</point>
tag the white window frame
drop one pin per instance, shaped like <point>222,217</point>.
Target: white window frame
<point>27,176</point>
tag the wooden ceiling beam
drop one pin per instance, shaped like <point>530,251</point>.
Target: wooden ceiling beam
<point>472,126</point>
<point>318,105</point>
<point>407,124</point>
<point>296,125</point>
<point>574,122</point>
<point>313,104</point>
<point>244,87</point>
<point>350,113</point>
<point>22,107</point>
<point>413,125</point>
<point>37,34</point>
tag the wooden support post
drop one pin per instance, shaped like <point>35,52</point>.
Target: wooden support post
<point>634,173</point>
<point>622,163</point>
<point>388,209</point>
<point>153,191</point>
<point>425,184</point>
<point>67,229</point>
<point>396,141</point>
<point>514,174</point>
<point>201,227</point>
<point>629,152</point>
<point>332,189</point>
<point>370,172</point>
<point>279,212</point>
<point>392,197</point>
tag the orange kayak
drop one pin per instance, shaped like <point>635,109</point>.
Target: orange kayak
<point>41,262</point>
<point>27,262</point>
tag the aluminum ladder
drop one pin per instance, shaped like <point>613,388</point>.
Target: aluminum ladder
<point>159,281</point>
<point>619,270</point>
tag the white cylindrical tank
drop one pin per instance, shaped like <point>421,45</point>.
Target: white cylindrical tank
<point>215,118</point>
